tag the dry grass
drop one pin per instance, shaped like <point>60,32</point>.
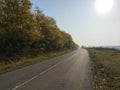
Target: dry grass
<point>106,68</point>
<point>13,65</point>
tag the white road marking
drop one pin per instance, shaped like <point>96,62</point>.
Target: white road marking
<point>22,84</point>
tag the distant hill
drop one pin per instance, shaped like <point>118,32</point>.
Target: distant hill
<point>116,47</point>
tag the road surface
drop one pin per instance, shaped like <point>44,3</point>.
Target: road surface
<point>68,72</point>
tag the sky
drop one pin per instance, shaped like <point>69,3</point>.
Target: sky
<point>80,18</point>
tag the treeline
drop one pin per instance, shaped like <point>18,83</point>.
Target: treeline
<point>24,32</point>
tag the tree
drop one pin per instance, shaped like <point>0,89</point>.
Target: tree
<point>24,32</point>
<point>16,21</point>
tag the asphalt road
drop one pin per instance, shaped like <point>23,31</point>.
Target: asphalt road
<point>68,72</point>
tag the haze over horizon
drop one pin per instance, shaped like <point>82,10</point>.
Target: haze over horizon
<point>81,19</point>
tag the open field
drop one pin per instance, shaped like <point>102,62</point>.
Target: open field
<point>16,64</point>
<point>106,68</point>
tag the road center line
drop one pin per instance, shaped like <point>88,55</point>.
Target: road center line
<point>22,84</point>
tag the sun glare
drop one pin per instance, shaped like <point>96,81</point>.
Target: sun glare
<point>104,6</point>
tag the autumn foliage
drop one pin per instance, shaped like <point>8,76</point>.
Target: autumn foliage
<point>23,31</point>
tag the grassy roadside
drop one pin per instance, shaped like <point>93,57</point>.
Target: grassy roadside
<point>13,65</point>
<point>106,68</point>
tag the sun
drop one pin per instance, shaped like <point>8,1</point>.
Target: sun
<point>104,6</point>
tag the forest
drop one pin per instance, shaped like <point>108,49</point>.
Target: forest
<point>24,31</point>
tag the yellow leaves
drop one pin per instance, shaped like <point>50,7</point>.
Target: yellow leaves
<point>27,30</point>
<point>36,35</point>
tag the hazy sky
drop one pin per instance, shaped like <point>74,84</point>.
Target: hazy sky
<point>83,22</point>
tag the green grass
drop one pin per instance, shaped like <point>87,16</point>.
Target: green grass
<point>106,68</point>
<point>14,64</point>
